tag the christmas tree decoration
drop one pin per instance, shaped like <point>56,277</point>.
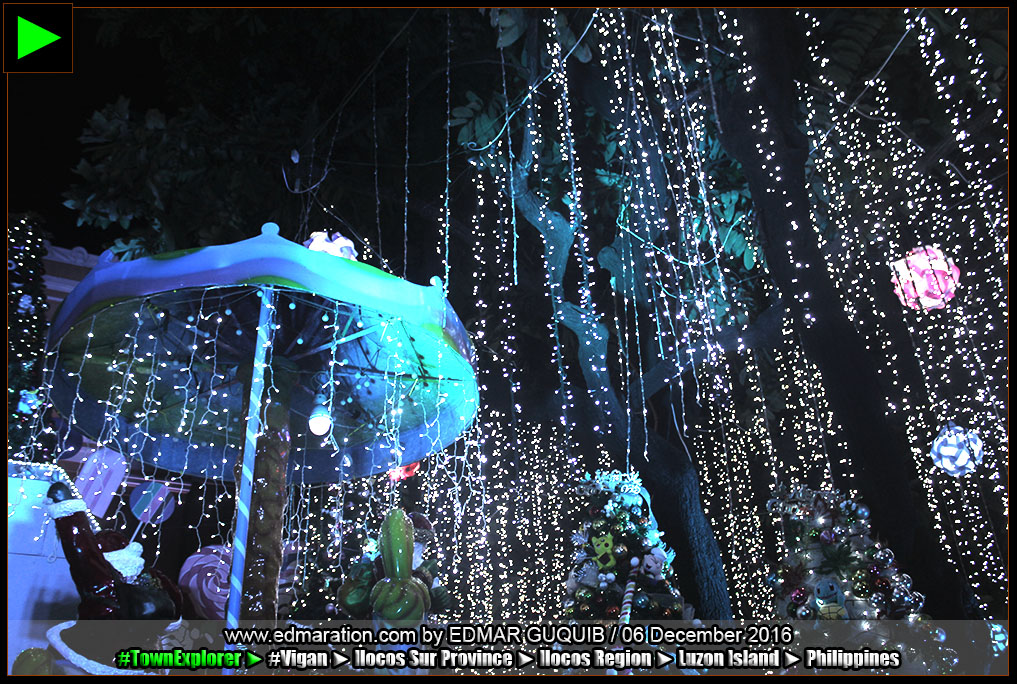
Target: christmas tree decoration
<point>829,600</point>
<point>29,402</point>
<point>625,573</point>
<point>854,578</point>
<point>957,451</point>
<point>925,279</point>
<point>999,639</point>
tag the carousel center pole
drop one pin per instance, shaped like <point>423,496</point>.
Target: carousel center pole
<point>265,338</point>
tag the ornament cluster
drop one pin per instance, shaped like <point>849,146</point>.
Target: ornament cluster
<point>618,543</point>
<point>835,570</point>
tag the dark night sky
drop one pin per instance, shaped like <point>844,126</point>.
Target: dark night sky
<point>46,113</point>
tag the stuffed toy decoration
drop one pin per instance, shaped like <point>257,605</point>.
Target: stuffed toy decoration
<point>829,599</point>
<point>651,567</point>
<point>603,550</point>
<point>337,245</point>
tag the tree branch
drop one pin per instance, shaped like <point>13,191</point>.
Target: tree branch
<point>764,332</point>
<point>593,337</point>
<point>559,234</point>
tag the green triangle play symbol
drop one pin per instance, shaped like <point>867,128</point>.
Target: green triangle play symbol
<point>253,659</point>
<point>32,37</point>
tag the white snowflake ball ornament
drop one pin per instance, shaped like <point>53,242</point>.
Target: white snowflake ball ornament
<point>956,450</point>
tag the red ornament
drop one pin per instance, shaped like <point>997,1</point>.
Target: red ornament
<point>403,472</point>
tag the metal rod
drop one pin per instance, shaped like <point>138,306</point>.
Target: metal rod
<point>266,336</point>
<point>336,343</point>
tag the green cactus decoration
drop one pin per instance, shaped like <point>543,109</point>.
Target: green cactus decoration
<point>399,599</point>
<point>355,593</point>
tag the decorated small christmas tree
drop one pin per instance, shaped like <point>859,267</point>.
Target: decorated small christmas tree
<point>622,568</point>
<point>835,570</point>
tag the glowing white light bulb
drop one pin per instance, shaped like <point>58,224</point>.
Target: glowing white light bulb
<point>320,420</point>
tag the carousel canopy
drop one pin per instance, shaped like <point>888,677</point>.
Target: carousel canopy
<point>154,357</point>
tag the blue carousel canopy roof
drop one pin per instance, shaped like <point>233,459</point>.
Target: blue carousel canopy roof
<point>151,357</point>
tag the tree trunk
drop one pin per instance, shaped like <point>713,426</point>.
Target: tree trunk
<point>669,475</point>
<point>672,481</point>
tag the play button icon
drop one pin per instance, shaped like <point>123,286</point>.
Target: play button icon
<point>523,659</point>
<point>32,37</point>
<point>38,39</point>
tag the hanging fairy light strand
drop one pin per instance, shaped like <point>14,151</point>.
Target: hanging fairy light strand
<point>958,344</point>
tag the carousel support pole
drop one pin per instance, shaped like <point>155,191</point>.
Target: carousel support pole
<point>265,338</point>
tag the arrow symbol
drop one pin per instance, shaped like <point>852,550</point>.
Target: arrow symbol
<point>790,658</point>
<point>252,659</point>
<point>32,37</point>
<point>663,658</point>
<point>338,659</point>
<point>523,659</point>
